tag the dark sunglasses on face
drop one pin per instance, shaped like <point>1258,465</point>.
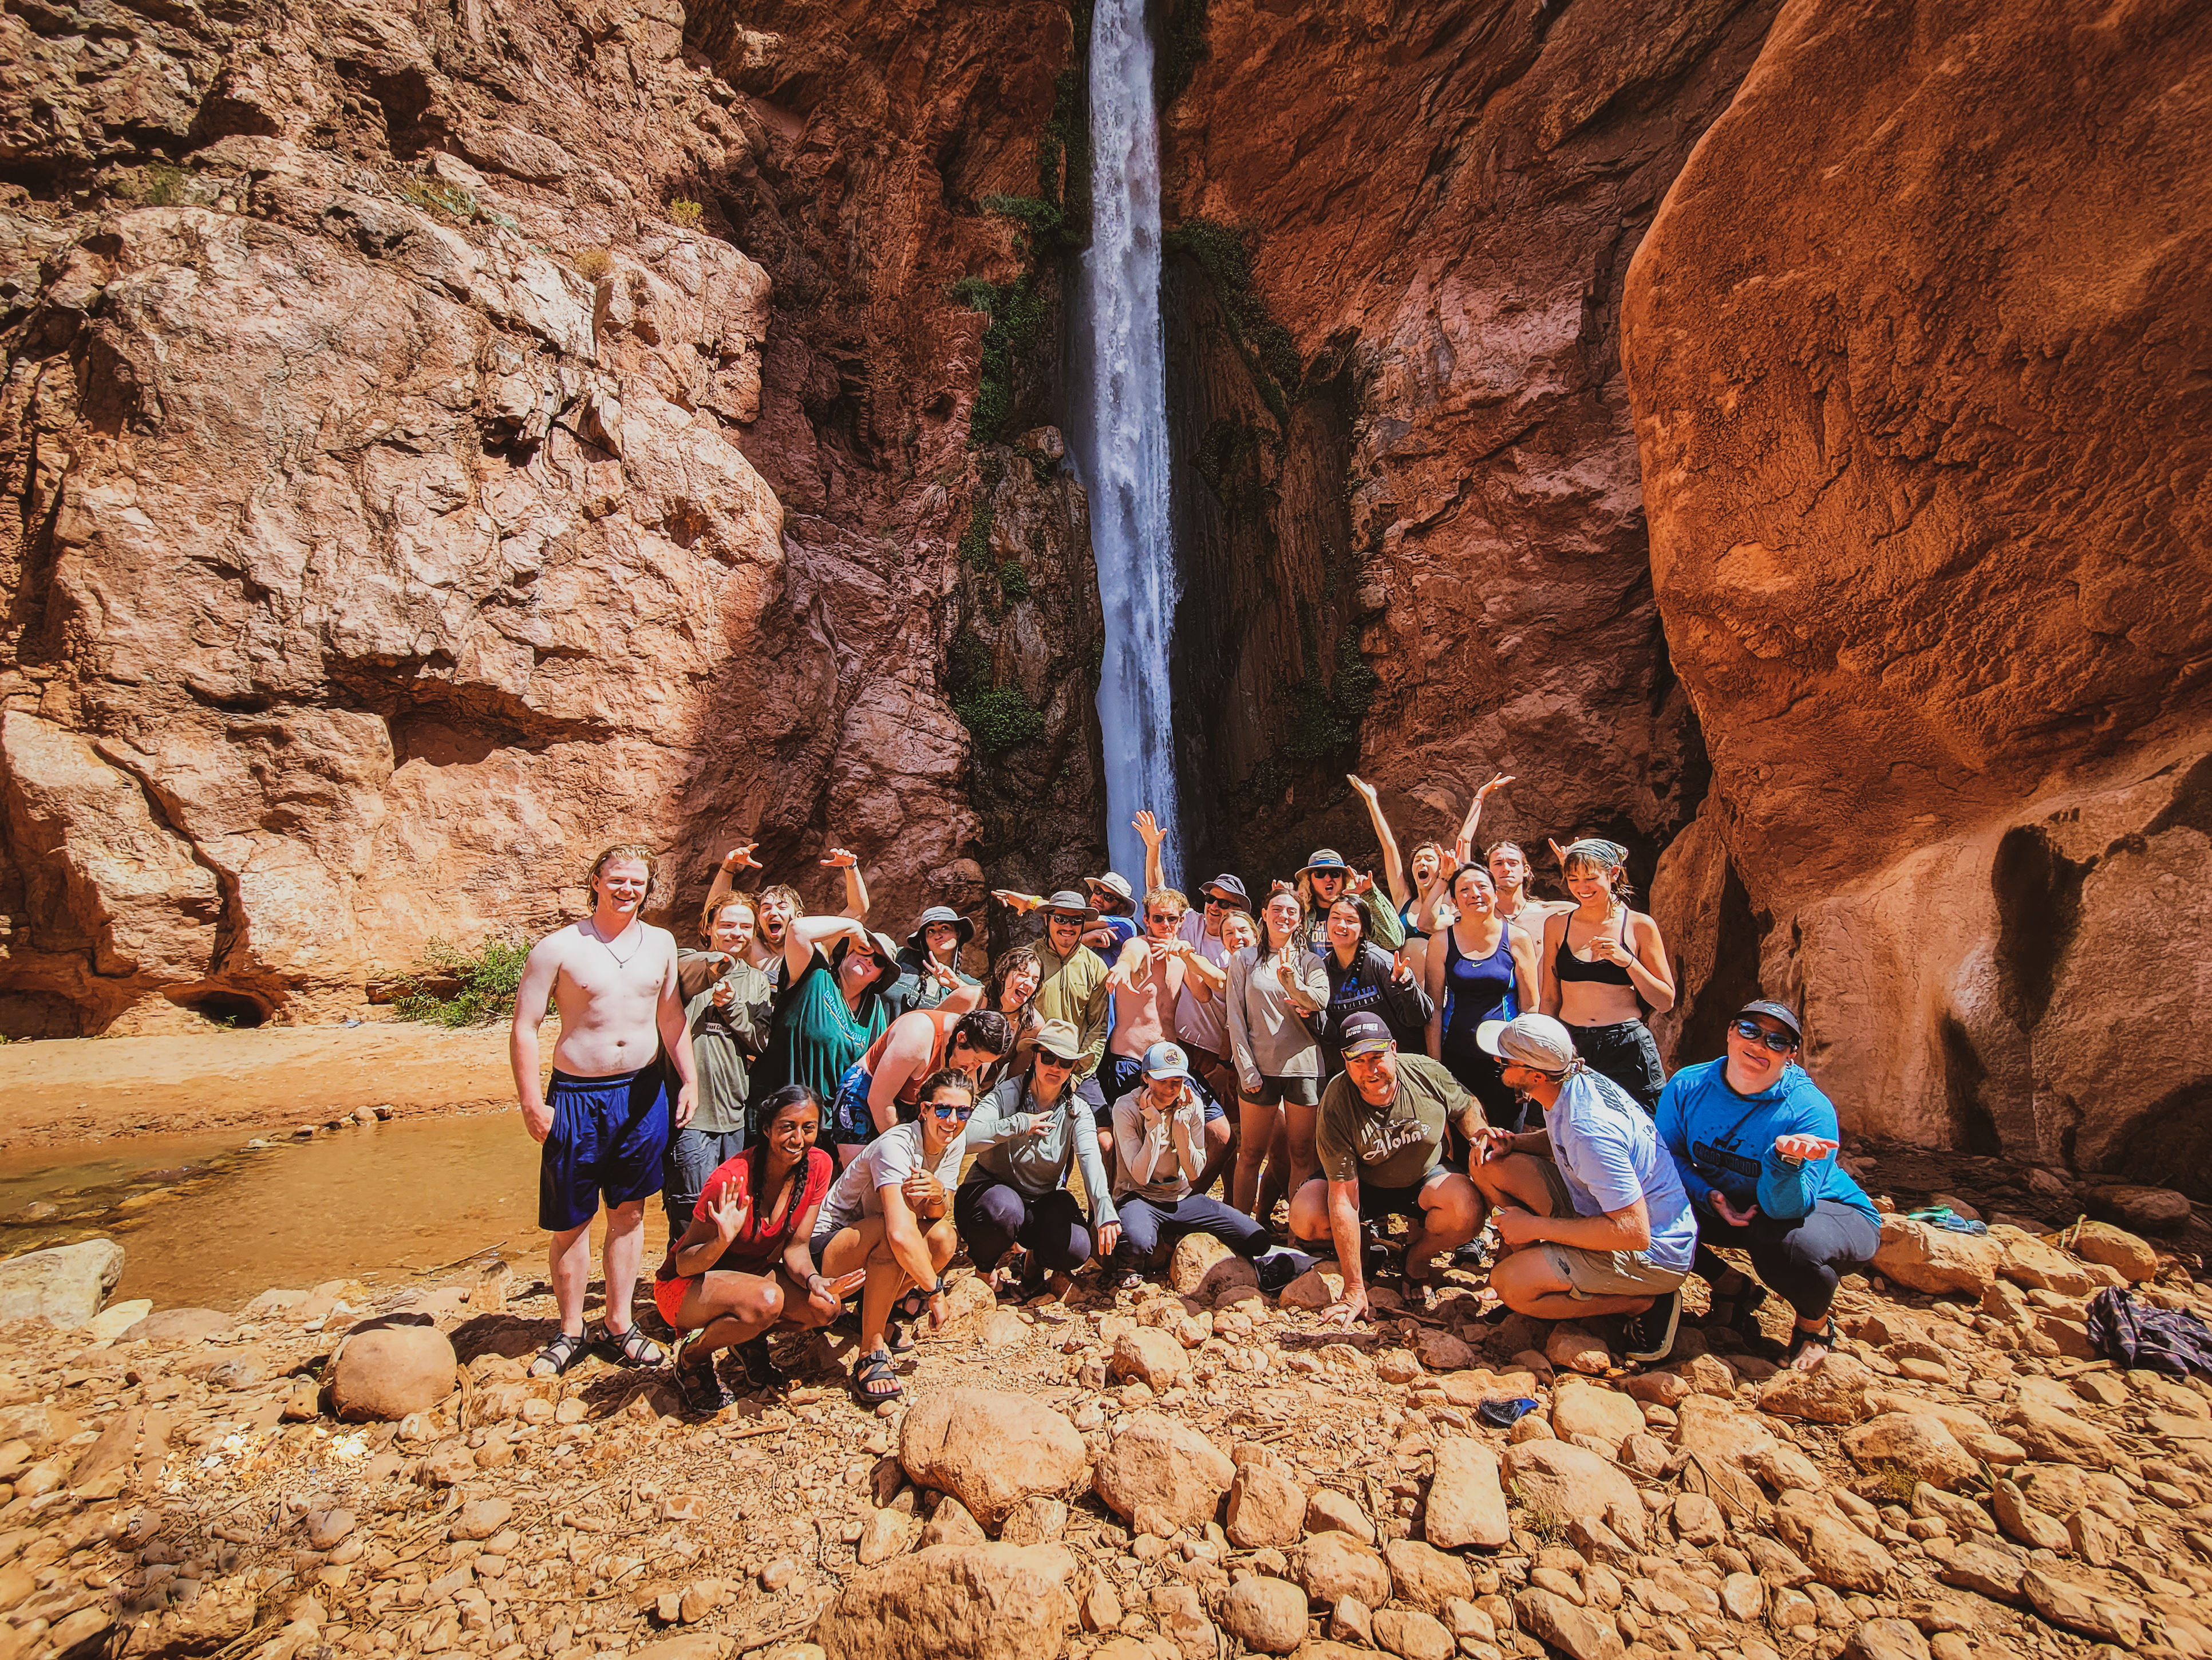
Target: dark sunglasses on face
<point>1054,1061</point>
<point>1780,1042</point>
<point>946,1109</point>
<point>1214,902</point>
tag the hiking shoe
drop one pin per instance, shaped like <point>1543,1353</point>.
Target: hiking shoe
<point>1474,1256</point>
<point>699,1385</point>
<point>1650,1335</point>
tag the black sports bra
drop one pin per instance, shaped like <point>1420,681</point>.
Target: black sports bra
<point>1565,965</point>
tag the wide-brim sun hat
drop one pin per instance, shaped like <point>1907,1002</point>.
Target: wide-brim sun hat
<point>1068,899</point>
<point>918,938</point>
<point>1325,859</point>
<point>1059,1039</point>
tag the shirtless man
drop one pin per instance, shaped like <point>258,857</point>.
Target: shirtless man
<point>780,906</point>
<point>604,1124</point>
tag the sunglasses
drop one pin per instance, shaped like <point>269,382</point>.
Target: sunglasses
<point>1214,902</point>
<point>946,1109</point>
<point>1164,916</point>
<point>1062,917</point>
<point>1043,1058</point>
<point>1780,1042</point>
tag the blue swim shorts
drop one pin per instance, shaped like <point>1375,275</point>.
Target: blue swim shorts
<point>609,1137</point>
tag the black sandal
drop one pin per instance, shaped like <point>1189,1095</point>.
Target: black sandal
<point>899,1339</point>
<point>911,1306</point>
<point>1743,1305</point>
<point>870,1373</point>
<point>557,1356</point>
<point>761,1370</point>
<point>632,1348</point>
<point>1801,1340</point>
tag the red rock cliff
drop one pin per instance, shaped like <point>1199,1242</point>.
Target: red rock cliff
<point>1917,347</point>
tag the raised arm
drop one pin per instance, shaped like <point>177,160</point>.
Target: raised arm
<point>1463,844</point>
<point>1156,875</point>
<point>538,973</point>
<point>806,934</point>
<point>1394,866</point>
<point>725,873</point>
<point>856,885</point>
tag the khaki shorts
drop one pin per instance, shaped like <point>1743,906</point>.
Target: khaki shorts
<point>1600,1273</point>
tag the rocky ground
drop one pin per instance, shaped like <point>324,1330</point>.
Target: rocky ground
<point>1189,1471</point>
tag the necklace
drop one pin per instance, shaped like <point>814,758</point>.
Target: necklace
<point>620,960</point>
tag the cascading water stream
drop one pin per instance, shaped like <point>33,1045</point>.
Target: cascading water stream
<point>1120,430</point>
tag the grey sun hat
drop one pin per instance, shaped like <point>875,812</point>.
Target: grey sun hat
<point>918,938</point>
<point>1059,1039</point>
<point>1068,899</point>
<point>1231,885</point>
<point>1536,1041</point>
<point>1115,884</point>
<point>1326,858</point>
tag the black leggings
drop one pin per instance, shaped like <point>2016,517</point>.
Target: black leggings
<point>1801,1257</point>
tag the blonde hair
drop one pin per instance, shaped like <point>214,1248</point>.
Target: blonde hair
<point>715,907</point>
<point>1164,896</point>
<point>636,850</point>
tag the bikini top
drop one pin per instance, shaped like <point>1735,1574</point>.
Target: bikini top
<point>1565,965</point>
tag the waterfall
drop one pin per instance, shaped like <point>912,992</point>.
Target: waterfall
<point>1120,430</point>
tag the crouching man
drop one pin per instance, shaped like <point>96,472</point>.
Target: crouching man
<point>1591,1215</point>
<point>1380,1140</point>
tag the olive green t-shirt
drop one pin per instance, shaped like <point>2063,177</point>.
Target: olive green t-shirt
<point>1392,1146</point>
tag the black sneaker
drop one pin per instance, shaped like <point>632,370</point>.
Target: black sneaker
<point>700,1384</point>
<point>1474,1256</point>
<point>1276,1270</point>
<point>1650,1335</point>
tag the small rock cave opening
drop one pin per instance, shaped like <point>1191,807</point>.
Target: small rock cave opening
<point>227,1008</point>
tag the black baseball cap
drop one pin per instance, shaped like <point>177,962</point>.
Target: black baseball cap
<point>1363,1031</point>
<point>1774,1012</point>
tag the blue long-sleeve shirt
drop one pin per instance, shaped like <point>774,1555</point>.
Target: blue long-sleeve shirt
<point>1719,1139</point>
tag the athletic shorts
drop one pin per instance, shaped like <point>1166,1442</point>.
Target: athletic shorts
<point>609,1138</point>
<point>1599,1272</point>
<point>1287,1092</point>
<point>1378,1203</point>
<point>851,1123</point>
<point>1625,1053</point>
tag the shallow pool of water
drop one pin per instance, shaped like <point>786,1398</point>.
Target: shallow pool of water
<point>204,1223</point>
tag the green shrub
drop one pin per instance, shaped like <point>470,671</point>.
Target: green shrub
<point>686,214</point>
<point>156,184</point>
<point>440,197</point>
<point>1013,581</point>
<point>999,718</point>
<point>974,545</point>
<point>593,263</point>
<point>450,987</point>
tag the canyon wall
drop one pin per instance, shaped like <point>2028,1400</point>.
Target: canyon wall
<point>1918,346</point>
<point>442,438</point>
<point>1440,202</point>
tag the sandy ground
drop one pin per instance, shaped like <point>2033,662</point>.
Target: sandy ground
<point>66,1090</point>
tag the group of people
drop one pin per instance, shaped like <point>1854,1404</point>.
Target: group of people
<point>828,1116</point>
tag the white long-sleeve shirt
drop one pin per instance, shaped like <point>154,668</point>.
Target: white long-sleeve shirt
<point>1158,1161</point>
<point>1268,1037</point>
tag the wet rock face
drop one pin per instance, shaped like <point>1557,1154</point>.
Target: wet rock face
<point>1444,213</point>
<point>415,485</point>
<point>1916,487</point>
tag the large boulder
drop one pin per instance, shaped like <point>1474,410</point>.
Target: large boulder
<point>2153,1210</point>
<point>1564,1481</point>
<point>64,1285</point>
<point>1335,1565</point>
<point>1919,1444</point>
<point>2134,1259</point>
<point>1834,1392</point>
<point>1936,1260</point>
<point>1203,1267</point>
<point>1604,1415</point>
<point>1466,1504</point>
<point>178,1326</point>
<point>955,1603</point>
<point>990,1449</point>
<point>1266,1507</point>
<point>388,1371</point>
<point>1159,1475</point>
<point>1267,1615</point>
<point>2031,1263</point>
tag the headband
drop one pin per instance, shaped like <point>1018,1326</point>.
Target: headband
<point>1610,854</point>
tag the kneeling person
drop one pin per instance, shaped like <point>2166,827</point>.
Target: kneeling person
<point>1159,1134</point>
<point>1028,1135</point>
<point>745,1264</point>
<point>1381,1138</point>
<point>889,1215</point>
<point>1591,1214</point>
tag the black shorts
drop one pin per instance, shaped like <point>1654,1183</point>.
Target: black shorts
<point>1378,1203</point>
<point>1625,1053</point>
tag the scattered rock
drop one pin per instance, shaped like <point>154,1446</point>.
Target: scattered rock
<point>112,1322</point>
<point>388,1372</point>
<point>63,1285</point>
<point>1838,1552</point>
<point>1834,1392</point>
<point>1328,1511</point>
<point>1578,1632</point>
<point>1333,1565</point>
<point>1935,1260</point>
<point>960,1601</point>
<point>1572,1348</point>
<point>1917,1442</point>
<point>1036,1520</point>
<point>1269,1616</point>
<point>1150,1356</point>
<point>1605,1415</point>
<point>1425,1576</point>
<point>1413,1636</point>
<point>2136,1259</point>
<point>952,1523</point>
<point>1564,1481</point>
<point>1987,1570</point>
<point>1316,1288</point>
<point>1266,1507</point>
<point>2150,1210</point>
<point>2082,1608</point>
<point>882,1536</point>
<point>480,1518</point>
<point>2048,1433</point>
<point>1888,1639</point>
<point>1465,1501</point>
<point>1203,1269</point>
<point>990,1449</point>
<point>327,1528</point>
<point>1160,1475</point>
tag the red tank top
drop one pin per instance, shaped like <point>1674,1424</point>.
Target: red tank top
<point>941,1040</point>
